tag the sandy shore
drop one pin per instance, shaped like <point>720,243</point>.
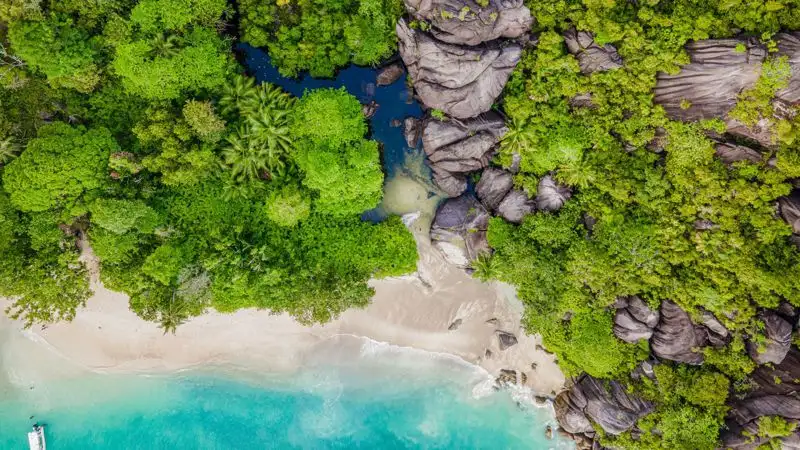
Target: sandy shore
<point>414,311</point>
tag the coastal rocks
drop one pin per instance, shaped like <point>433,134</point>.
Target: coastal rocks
<point>370,109</point>
<point>676,338</point>
<point>551,196</point>
<point>591,57</point>
<point>612,408</point>
<point>778,340</point>
<point>507,377</point>
<point>459,229</point>
<point>469,22</point>
<point>493,187</point>
<point>458,147</point>
<point>389,74</point>
<point>515,206</point>
<point>462,81</point>
<point>412,129</point>
<point>506,340</point>
<point>634,321</point>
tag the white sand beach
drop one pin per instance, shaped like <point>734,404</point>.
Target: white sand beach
<point>413,311</point>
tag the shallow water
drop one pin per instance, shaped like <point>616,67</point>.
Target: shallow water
<point>352,393</point>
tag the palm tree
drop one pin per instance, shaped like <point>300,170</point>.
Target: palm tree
<point>165,46</point>
<point>270,128</point>
<point>518,138</point>
<point>576,173</point>
<point>8,150</point>
<point>246,157</point>
<point>238,95</point>
<point>174,315</point>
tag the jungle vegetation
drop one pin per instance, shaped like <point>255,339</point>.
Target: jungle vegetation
<point>128,125</point>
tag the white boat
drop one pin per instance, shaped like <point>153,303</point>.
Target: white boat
<point>36,438</point>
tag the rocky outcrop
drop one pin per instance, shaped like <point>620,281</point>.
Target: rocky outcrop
<point>776,342</point>
<point>493,187</point>
<point>515,206</point>
<point>550,195</point>
<point>462,81</point>
<point>459,229</point>
<point>634,320</point>
<point>412,130</point>
<point>589,400</point>
<point>390,74</point>
<point>676,338</point>
<point>468,22</point>
<point>506,340</point>
<point>591,57</point>
<point>458,147</point>
<point>732,153</point>
<point>720,69</point>
<point>718,334</point>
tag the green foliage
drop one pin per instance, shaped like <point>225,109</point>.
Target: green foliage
<point>153,16</point>
<point>771,429</point>
<point>321,35</point>
<point>756,103</point>
<point>338,163</point>
<point>203,120</point>
<point>288,206</point>
<point>60,168</point>
<point>66,54</point>
<point>121,216</point>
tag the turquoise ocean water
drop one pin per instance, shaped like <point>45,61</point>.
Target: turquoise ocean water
<point>373,397</point>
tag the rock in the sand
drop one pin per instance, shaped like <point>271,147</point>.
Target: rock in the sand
<point>506,377</point>
<point>389,74</point>
<point>455,325</point>
<point>469,22</point>
<point>459,229</point>
<point>506,340</point>
<point>551,196</point>
<point>461,81</point>
<point>456,147</point>
<point>412,130</point>
<point>790,209</point>
<point>516,206</point>
<point>676,338</point>
<point>778,340</point>
<point>613,408</point>
<point>493,187</point>
<point>591,57</point>
<point>548,432</point>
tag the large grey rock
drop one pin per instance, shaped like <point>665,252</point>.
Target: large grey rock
<point>461,81</point>
<point>710,84</point>
<point>789,46</point>
<point>457,147</point>
<point>493,187</point>
<point>778,340</point>
<point>591,57</point>
<point>790,209</point>
<point>778,379</point>
<point>459,229</point>
<point>613,408</point>
<point>751,409</point>
<point>676,338</point>
<point>733,153</point>
<point>550,195</point>
<point>718,335</point>
<point>412,130</point>
<point>466,22</point>
<point>634,320</point>
<point>515,206</point>
<point>389,74</point>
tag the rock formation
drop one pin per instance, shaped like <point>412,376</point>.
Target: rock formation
<point>389,74</point>
<point>551,196</point>
<point>776,343</point>
<point>676,338</point>
<point>732,153</point>
<point>412,131</point>
<point>469,22</point>
<point>459,229</point>
<point>591,57</point>
<point>720,69</point>
<point>459,80</point>
<point>458,147</point>
<point>493,187</point>
<point>614,409</point>
<point>634,320</point>
<point>515,206</point>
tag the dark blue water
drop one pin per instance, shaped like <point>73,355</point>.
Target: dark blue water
<point>395,100</point>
